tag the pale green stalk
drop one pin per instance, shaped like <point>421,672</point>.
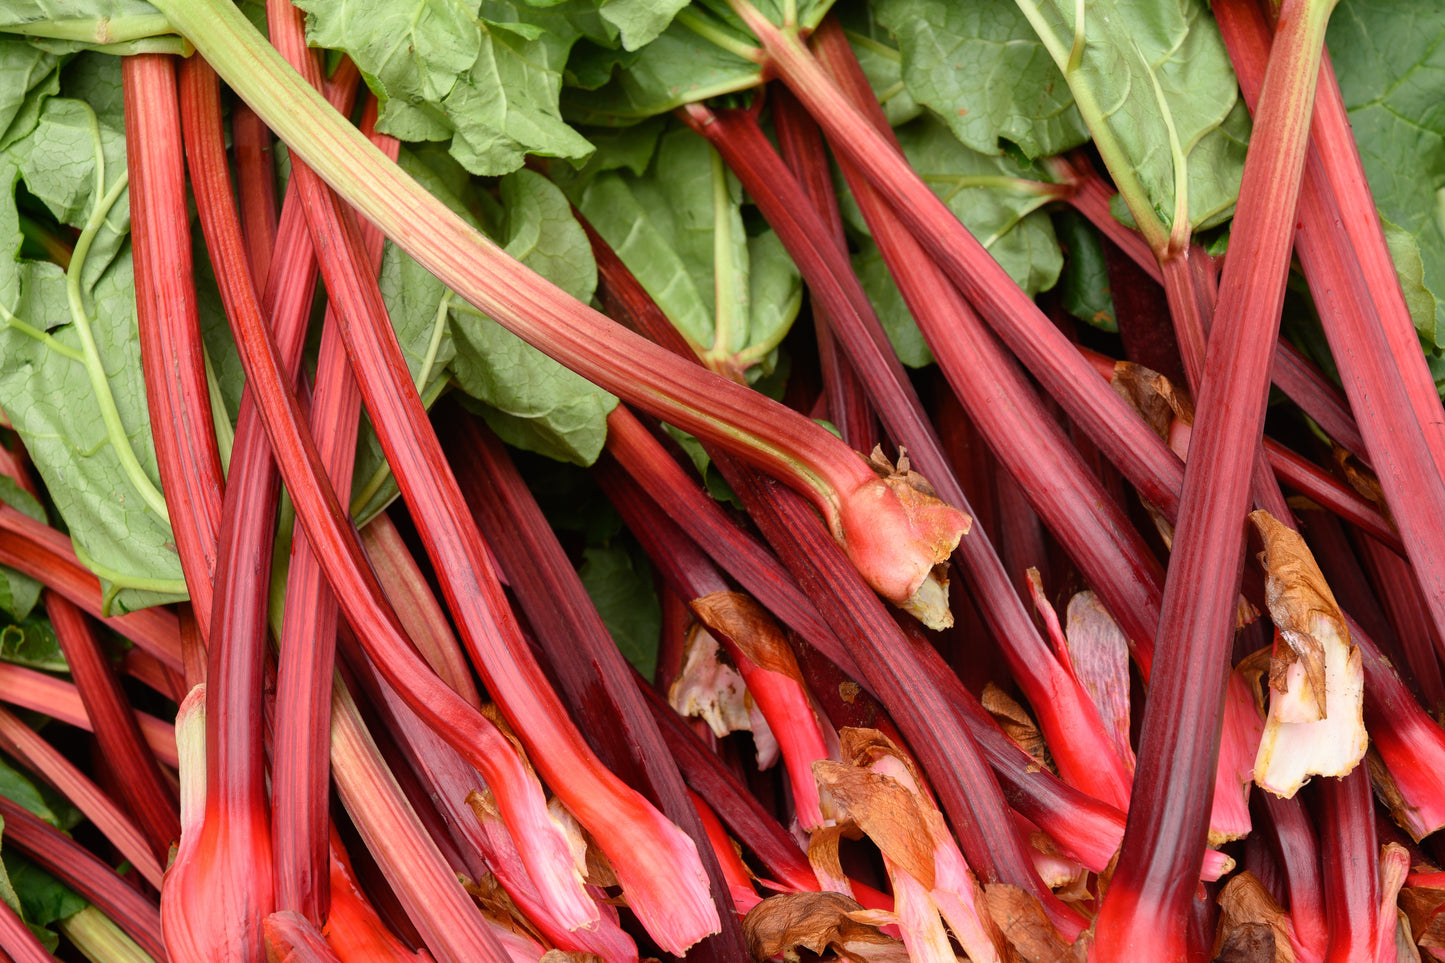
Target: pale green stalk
<point>100,940</point>
<point>102,31</point>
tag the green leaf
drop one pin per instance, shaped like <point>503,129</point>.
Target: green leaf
<point>1154,85</point>
<point>23,70</point>
<point>619,581</point>
<point>1410,267</point>
<point>1084,284</point>
<point>531,401</point>
<point>43,898</point>
<point>18,592</point>
<point>982,71</point>
<point>32,643</point>
<point>881,60</point>
<point>484,75</point>
<point>18,788</point>
<point>1390,61</point>
<point>680,229</point>
<point>640,21</point>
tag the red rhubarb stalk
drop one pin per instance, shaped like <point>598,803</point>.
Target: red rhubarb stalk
<point>622,818</point>
<point>1148,903</point>
<point>895,549</point>
<point>169,322</point>
<point>60,700</point>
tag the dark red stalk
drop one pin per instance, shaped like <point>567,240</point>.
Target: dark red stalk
<point>23,744</point>
<point>255,188</point>
<point>150,799</point>
<point>300,794</point>
<point>893,667</point>
<point>166,309</point>
<point>60,700</point>
<point>1044,350</point>
<point>1294,374</point>
<point>148,670</point>
<point>449,781</point>
<point>1349,858</point>
<point>17,942</point>
<point>1106,548</point>
<point>753,825</point>
<point>779,695</point>
<point>600,800</point>
<point>74,866</point>
<point>594,677</point>
<point>801,144</point>
<point>46,555</point>
<point>612,810</point>
<point>1397,592</point>
<point>1076,820</point>
<point>1298,850</point>
<point>1401,439</point>
<point>1147,905</point>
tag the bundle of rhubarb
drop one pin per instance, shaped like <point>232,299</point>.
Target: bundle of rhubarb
<point>428,530</point>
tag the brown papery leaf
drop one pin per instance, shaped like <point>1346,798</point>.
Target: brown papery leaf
<point>1025,924</point>
<point>823,855</point>
<point>816,922</point>
<point>1245,907</point>
<point>888,812</point>
<point>1017,724</point>
<point>1152,395</point>
<point>1297,595</point>
<point>739,617</point>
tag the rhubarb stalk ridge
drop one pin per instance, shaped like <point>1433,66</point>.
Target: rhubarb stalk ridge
<point>899,535</point>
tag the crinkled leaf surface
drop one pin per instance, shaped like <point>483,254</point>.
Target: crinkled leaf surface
<point>680,229</point>
<point>1390,61</point>
<point>996,198</point>
<point>15,12</point>
<point>1084,284</point>
<point>1155,79</point>
<point>980,68</point>
<point>530,400</point>
<point>48,395</point>
<point>483,75</point>
<point>701,54</point>
<point>31,642</point>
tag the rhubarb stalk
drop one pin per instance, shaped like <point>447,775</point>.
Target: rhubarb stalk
<point>1147,905</point>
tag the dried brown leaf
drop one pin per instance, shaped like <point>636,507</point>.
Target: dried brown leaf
<point>816,922</point>
<point>751,628</point>
<point>1245,906</point>
<point>888,812</point>
<point>1152,395</point>
<point>1017,724</point>
<point>1024,924</point>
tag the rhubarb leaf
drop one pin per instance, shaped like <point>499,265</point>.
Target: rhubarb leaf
<point>996,198</point>
<point>1084,284</point>
<point>531,401</point>
<point>1156,89</point>
<point>18,592</point>
<point>981,70</point>
<point>23,69</point>
<point>881,61</point>
<point>1410,266</point>
<point>681,229</point>
<point>484,76</point>
<point>44,385</point>
<point>619,582</point>
<point>32,643</point>
<point>43,898</point>
<point>1390,62</point>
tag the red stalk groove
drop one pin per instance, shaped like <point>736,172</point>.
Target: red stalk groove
<point>166,310</point>
<point>38,755</point>
<point>1044,350</point>
<point>60,700</point>
<point>561,754</point>
<point>46,555</point>
<point>1086,828</point>
<point>301,785</point>
<point>1349,858</point>
<point>255,188</point>
<point>801,144</point>
<point>1298,849</point>
<point>1107,548</point>
<point>1147,906</point>
<point>17,942</point>
<point>593,675</point>
<point>77,868</point>
<point>1398,435</point>
<point>147,795</point>
<point>668,894</point>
